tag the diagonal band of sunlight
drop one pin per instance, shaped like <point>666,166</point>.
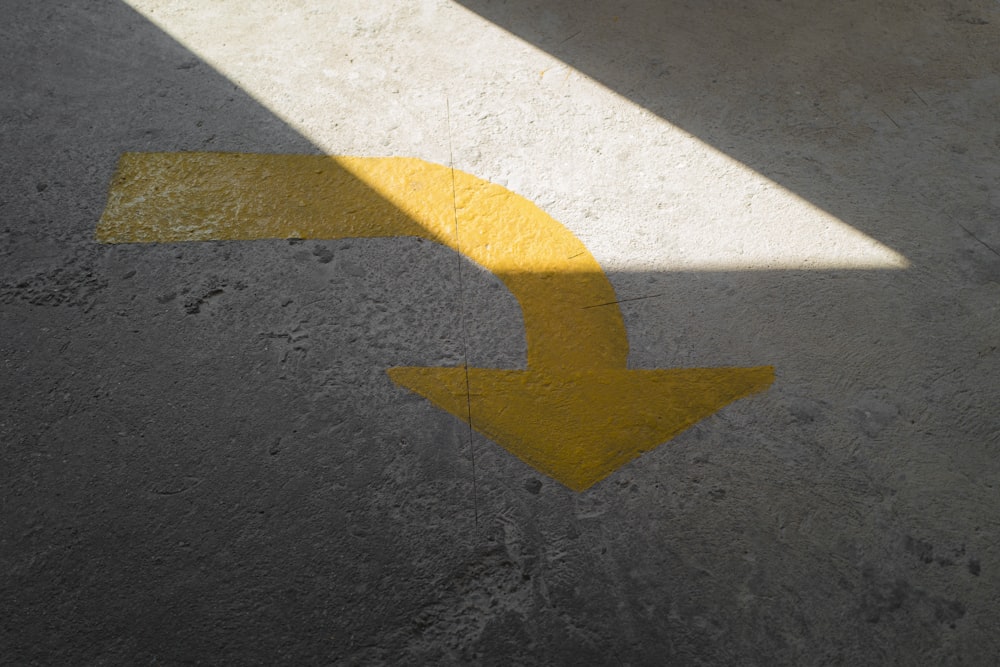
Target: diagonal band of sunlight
<point>743,221</point>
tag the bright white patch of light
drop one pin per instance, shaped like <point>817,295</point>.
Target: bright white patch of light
<point>433,80</point>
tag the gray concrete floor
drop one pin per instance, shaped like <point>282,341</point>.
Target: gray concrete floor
<point>204,462</point>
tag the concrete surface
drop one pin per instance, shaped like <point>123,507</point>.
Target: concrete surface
<point>204,461</point>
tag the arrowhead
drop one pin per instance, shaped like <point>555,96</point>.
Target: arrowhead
<point>580,427</point>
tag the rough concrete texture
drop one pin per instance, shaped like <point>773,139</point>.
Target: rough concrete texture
<point>203,460</point>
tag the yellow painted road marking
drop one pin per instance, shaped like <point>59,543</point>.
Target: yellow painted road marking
<point>580,426</point>
<point>576,413</point>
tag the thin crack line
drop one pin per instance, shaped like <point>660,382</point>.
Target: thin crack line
<point>984,243</point>
<point>890,118</point>
<point>461,307</point>
<point>612,303</point>
<point>570,37</point>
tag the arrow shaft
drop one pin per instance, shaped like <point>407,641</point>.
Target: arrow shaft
<point>173,197</point>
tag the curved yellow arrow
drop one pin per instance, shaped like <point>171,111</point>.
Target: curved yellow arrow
<point>576,413</point>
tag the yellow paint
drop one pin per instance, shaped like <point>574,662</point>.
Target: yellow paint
<point>580,426</point>
<point>577,413</point>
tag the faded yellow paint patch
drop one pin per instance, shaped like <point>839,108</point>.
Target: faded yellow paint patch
<point>576,414</point>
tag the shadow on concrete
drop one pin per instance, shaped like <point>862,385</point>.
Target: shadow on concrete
<point>105,557</point>
<point>203,460</point>
<point>851,105</point>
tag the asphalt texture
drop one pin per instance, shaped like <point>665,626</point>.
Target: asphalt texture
<point>203,460</point>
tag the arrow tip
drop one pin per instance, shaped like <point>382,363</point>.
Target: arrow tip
<point>580,427</point>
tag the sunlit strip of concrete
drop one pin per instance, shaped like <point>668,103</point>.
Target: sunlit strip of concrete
<point>336,75</point>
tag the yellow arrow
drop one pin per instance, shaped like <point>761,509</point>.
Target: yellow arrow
<point>576,413</point>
